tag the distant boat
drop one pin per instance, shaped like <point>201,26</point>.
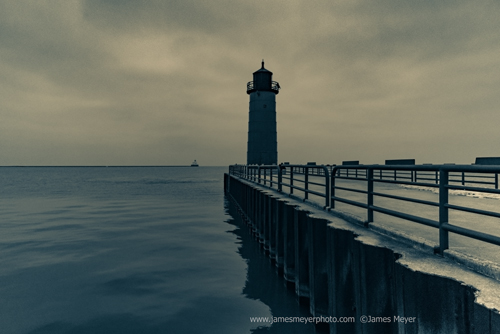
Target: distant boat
<point>194,164</point>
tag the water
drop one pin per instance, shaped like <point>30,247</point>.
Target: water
<point>131,250</point>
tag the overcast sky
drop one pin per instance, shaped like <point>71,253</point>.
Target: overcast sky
<point>116,82</point>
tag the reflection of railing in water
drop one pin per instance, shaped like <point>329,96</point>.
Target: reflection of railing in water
<point>473,178</point>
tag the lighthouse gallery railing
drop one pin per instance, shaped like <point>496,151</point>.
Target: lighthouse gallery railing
<point>321,181</point>
<point>275,87</point>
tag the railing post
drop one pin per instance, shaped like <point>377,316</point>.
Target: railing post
<point>271,177</point>
<point>258,174</point>
<point>332,188</point>
<point>443,210</point>
<point>463,178</point>
<point>291,180</point>
<point>327,188</point>
<point>265,175</point>
<point>280,179</point>
<point>306,183</point>
<point>370,195</point>
<point>496,180</point>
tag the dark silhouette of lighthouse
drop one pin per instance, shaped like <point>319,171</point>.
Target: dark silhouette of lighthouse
<point>262,137</point>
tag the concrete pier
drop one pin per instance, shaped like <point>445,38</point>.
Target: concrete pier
<point>361,281</point>
<point>301,236</point>
<point>289,244</point>
<point>318,273</point>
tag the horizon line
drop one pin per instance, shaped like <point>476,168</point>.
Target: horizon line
<point>107,166</point>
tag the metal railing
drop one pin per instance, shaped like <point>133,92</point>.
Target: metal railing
<point>321,181</point>
<point>308,183</point>
<point>275,87</point>
<point>434,176</point>
<point>303,178</point>
<point>459,177</point>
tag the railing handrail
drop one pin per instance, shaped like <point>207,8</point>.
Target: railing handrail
<point>442,182</point>
<point>450,168</point>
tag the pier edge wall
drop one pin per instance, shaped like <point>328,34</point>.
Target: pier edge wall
<point>342,270</point>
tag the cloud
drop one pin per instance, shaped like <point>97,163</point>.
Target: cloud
<point>163,82</point>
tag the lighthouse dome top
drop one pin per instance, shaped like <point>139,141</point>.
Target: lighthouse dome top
<point>263,70</point>
<point>263,81</point>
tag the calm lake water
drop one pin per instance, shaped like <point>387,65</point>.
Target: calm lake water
<point>131,250</point>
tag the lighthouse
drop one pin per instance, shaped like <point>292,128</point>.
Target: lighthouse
<point>262,146</point>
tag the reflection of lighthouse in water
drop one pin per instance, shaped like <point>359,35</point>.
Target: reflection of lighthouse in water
<point>262,136</point>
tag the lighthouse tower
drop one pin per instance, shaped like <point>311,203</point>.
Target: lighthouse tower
<point>262,138</point>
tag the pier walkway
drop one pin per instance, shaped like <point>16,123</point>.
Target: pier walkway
<point>405,204</point>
